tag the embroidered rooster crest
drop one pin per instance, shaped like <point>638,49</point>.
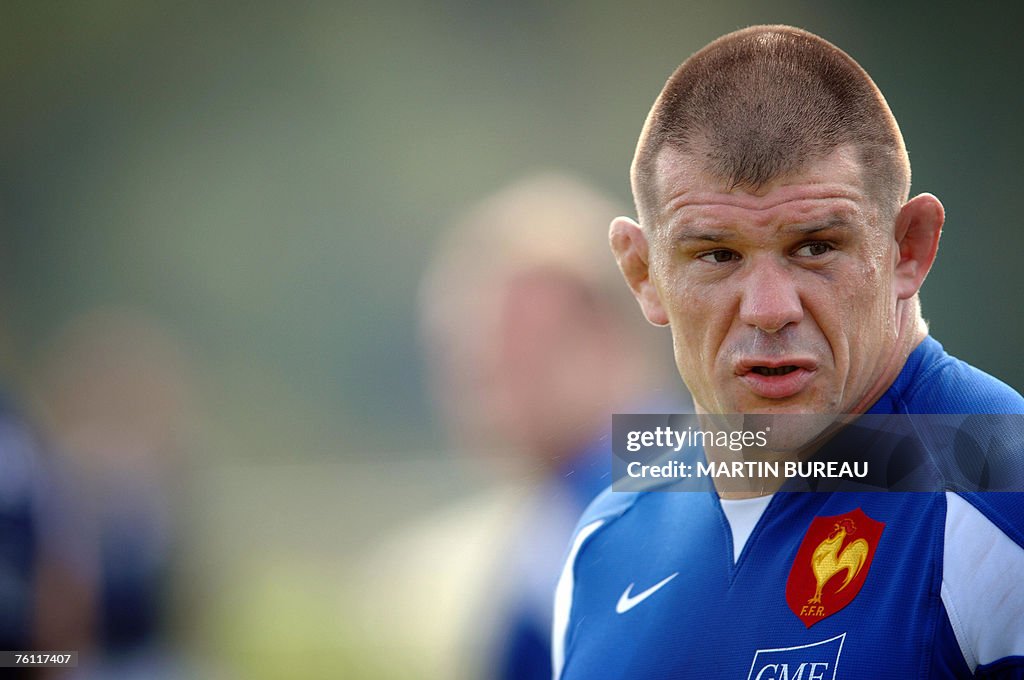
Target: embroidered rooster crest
<point>831,564</point>
<point>827,561</point>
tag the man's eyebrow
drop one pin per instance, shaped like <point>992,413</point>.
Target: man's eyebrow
<point>834,222</point>
<point>692,233</point>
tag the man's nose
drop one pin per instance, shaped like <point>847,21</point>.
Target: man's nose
<point>771,300</point>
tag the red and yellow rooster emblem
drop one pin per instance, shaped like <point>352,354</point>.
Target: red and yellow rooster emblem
<point>827,561</point>
<point>831,564</point>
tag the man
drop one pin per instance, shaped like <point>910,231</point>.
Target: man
<point>777,241</point>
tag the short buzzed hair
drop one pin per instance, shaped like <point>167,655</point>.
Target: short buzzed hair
<point>763,102</point>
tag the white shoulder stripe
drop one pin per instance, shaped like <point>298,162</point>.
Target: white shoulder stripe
<point>563,599</point>
<point>982,585</point>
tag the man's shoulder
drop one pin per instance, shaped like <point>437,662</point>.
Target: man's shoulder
<point>981,590</point>
<point>646,512</point>
<point>938,382</point>
<point>608,506</point>
<point>1003,510</point>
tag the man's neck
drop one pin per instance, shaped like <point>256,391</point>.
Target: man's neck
<point>911,331</point>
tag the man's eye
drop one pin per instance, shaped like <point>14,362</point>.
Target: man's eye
<point>814,249</point>
<point>719,256</point>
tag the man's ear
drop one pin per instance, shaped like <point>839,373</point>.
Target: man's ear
<point>629,244</point>
<point>918,226</point>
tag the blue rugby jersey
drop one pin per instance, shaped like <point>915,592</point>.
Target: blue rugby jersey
<point>805,586</point>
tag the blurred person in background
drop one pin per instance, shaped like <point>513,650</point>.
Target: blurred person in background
<point>526,335</point>
<point>113,391</point>
<point>23,482</point>
<point>40,607</point>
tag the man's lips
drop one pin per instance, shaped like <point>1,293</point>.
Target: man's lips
<point>776,378</point>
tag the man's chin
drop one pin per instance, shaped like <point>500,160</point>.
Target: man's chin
<point>792,425</point>
<point>801,404</point>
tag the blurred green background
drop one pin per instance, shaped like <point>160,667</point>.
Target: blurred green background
<point>265,182</point>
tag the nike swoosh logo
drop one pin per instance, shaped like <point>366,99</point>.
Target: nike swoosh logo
<point>627,602</point>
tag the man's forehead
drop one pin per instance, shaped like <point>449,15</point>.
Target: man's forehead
<point>684,185</point>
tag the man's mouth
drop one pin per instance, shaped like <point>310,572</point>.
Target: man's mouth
<point>773,379</point>
<point>770,371</point>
